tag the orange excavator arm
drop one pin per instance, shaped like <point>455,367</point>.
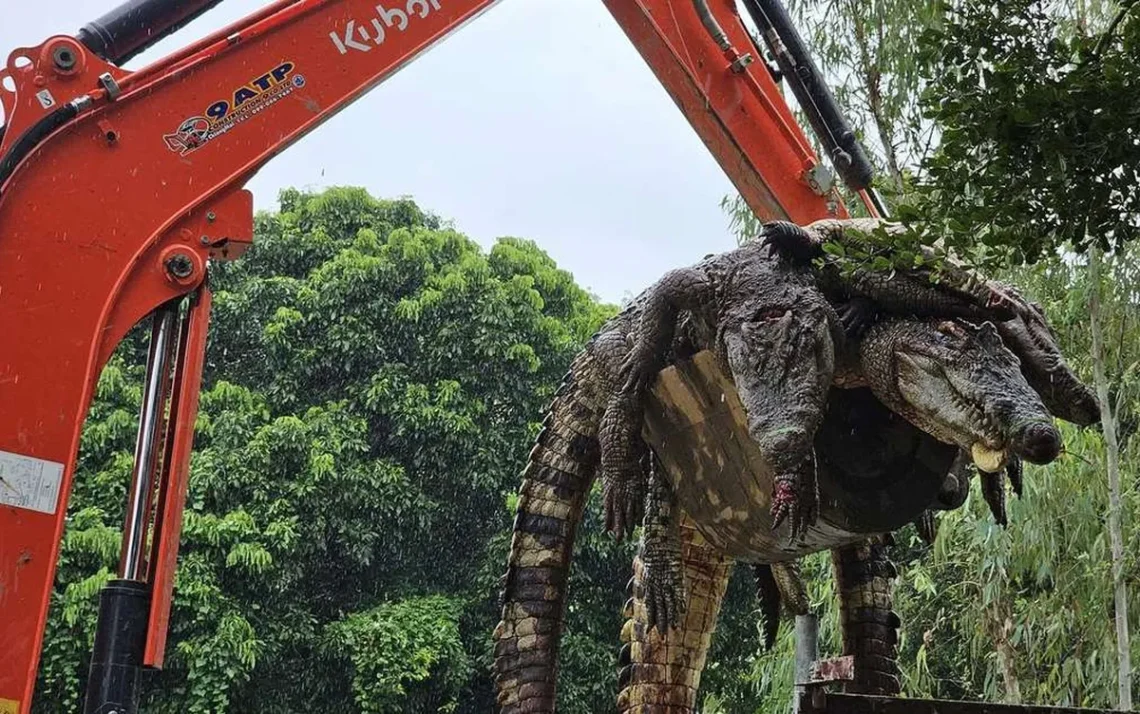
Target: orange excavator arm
<point>118,188</point>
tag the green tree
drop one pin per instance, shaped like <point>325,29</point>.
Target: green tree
<point>1038,156</point>
<point>1043,589</point>
<point>373,383</point>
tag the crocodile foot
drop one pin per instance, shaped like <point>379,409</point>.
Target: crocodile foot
<point>927,527</point>
<point>623,472</point>
<point>796,500</point>
<point>1015,472</point>
<point>790,241</point>
<point>664,585</point>
<point>856,315</point>
<point>622,497</point>
<point>663,574</point>
<point>993,490</point>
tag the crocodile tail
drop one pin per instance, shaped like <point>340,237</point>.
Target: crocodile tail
<point>864,576</point>
<point>556,483</point>
<point>661,675</point>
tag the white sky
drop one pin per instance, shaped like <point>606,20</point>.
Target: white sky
<point>537,120</point>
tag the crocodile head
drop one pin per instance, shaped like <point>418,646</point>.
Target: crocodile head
<point>1029,335</point>
<point>959,383</point>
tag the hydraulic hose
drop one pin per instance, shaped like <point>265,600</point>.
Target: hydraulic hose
<point>137,25</point>
<point>37,133</point>
<point>710,23</point>
<point>824,115</point>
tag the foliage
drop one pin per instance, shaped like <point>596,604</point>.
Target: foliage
<point>1038,146</point>
<point>868,46</point>
<point>406,656</point>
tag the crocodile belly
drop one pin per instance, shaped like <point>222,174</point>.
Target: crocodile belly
<point>876,472</point>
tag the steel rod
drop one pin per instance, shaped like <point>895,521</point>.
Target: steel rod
<point>162,343</point>
<point>812,93</point>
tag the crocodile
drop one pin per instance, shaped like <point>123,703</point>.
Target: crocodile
<point>955,382</point>
<point>1025,329</point>
<point>768,315</point>
<point>570,448</point>
<point>557,480</point>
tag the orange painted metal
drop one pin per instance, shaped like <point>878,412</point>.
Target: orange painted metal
<point>41,88</point>
<point>738,113</point>
<point>90,217</point>
<point>175,477</point>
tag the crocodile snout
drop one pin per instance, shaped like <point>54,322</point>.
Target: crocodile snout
<point>1038,443</point>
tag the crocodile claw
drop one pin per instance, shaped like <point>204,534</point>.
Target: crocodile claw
<point>798,506</point>
<point>856,315</point>
<point>664,597</point>
<point>790,241</point>
<point>622,501</point>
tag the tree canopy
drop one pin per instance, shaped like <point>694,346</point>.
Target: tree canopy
<point>373,382</point>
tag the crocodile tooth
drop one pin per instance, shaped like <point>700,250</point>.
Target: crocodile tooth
<point>987,459</point>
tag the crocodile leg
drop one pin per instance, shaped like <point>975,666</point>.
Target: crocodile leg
<point>771,602</point>
<point>779,587</point>
<point>663,570</point>
<point>661,674</point>
<point>863,575</point>
<point>556,483</point>
<point>622,449</point>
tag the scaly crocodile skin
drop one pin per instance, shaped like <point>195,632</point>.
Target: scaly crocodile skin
<point>864,575</point>
<point>661,675</point>
<point>556,483</point>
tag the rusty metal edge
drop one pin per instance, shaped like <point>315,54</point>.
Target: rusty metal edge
<point>818,701</point>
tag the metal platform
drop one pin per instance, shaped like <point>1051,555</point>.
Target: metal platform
<point>813,676</point>
<point>818,701</point>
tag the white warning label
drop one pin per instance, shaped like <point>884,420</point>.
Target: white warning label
<point>29,483</point>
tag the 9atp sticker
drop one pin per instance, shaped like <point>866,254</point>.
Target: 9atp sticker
<point>245,102</point>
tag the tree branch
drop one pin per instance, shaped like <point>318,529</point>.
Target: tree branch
<point>1125,8</point>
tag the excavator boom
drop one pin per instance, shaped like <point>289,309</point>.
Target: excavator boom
<point>118,188</point>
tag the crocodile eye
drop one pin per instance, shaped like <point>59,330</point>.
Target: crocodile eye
<point>769,315</point>
<point>947,329</point>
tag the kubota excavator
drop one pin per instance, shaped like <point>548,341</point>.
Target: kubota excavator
<point>82,260</point>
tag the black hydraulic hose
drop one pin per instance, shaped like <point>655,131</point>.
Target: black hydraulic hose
<point>137,25</point>
<point>710,23</point>
<point>37,133</point>
<point>823,112</point>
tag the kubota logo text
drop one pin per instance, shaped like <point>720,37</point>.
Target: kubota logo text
<point>358,37</point>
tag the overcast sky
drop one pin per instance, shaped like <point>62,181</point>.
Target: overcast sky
<point>537,120</point>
